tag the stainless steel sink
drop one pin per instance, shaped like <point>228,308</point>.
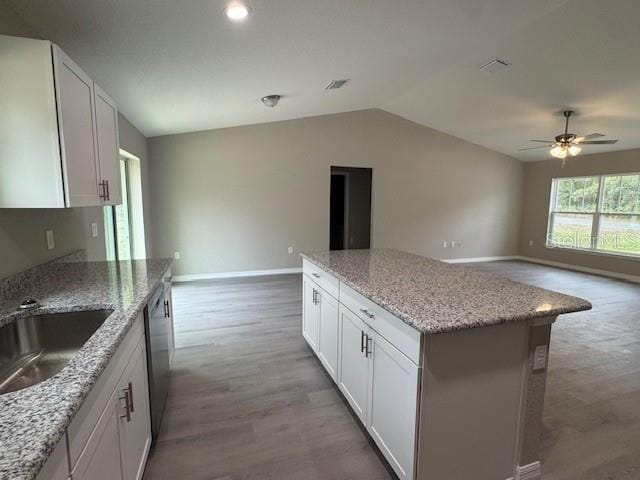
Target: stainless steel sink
<point>35,348</point>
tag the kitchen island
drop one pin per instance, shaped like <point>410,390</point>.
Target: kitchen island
<point>444,365</point>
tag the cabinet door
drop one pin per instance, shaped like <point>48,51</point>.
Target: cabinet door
<point>353,363</point>
<point>135,429</point>
<point>75,101</point>
<point>392,405</point>
<point>57,465</point>
<point>108,147</point>
<point>310,313</point>
<point>328,332</point>
<point>168,299</point>
<point>100,459</point>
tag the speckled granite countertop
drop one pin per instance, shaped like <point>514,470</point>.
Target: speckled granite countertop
<point>33,420</point>
<point>437,297</point>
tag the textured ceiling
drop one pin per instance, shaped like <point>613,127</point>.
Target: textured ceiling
<point>182,66</point>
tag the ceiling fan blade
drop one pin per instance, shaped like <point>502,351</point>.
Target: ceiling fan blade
<point>533,148</point>
<point>542,141</point>
<point>599,142</point>
<point>588,137</point>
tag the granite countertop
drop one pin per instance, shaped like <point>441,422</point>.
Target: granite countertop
<point>33,420</point>
<point>436,297</point>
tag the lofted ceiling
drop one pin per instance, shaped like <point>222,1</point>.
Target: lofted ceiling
<point>183,66</point>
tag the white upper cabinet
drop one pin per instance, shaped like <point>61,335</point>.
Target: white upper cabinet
<point>76,120</point>
<point>59,137</point>
<point>108,147</point>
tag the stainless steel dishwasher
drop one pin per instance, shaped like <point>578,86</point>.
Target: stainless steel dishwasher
<point>157,338</point>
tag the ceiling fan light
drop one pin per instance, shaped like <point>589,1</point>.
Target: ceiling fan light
<point>559,151</point>
<point>575,150</point>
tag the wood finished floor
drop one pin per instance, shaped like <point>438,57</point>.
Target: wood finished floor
<point>248,401</point>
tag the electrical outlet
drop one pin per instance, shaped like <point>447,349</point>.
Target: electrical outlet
<point>531,243</point>
<point>445,244</point>
<point>51,243</point>
<point>176,255</point>
<point>540,358</point>
<point>454,244</point>
<point>290,250</point>
<point>94,229</point>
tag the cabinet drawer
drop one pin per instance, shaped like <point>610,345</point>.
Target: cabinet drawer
<point>405,338</point>
<point>324,280</point>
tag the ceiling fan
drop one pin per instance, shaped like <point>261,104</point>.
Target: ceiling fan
<point>567,143</point>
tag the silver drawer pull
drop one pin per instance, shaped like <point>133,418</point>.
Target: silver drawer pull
<point>367,313</point>
<point>315,275</point>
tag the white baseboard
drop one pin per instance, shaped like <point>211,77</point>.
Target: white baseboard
<point>246,273</point>
<point>579,268</point>
<point>480,259</point>
<point>532,471</point>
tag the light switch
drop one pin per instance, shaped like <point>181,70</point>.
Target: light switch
<point>540,357</point>
<point>94,229</point>
<point>51,243</point>
<point>290,250</point>
<point>176,255</point>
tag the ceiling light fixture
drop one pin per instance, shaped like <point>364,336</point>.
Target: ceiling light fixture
<point>271,100</point>
<point>237,11</point>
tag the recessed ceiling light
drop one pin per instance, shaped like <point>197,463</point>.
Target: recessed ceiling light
<point>237,11</point>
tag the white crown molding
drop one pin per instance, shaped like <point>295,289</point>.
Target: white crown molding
<point>246,273</point>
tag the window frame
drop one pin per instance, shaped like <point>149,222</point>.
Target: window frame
<point>596,217</point>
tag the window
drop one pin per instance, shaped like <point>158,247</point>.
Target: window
<point>123,223</point>
<point>600,213</point>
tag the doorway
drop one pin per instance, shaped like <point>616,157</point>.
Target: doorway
<point>350,208</point>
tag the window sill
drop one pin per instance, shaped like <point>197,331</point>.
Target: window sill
<point>601,253</point>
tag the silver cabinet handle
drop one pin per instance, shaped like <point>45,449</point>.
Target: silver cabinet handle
<point>103,186</point>
<point>107,188</point>
<point>315,296</point>
<point>362,341</point>
<point>367,313</point>
<point>367,352</point>
<point>127,405</point>
<point>315,275</point>
<point>131,397</point>
<point>167,310</point>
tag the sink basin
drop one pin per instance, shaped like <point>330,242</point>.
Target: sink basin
<point>35,348</point>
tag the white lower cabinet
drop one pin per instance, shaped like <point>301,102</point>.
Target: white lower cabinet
<point>392,404</point>
<point>118,446</point>
<point>101,458</point>
<point>110,436</point>
<point>310,314</point>
<point>379,381</point>
<point>328,332</point>
<point>135,422</point>
<point>353,372</point>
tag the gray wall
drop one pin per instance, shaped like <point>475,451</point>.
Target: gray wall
<point>234,199</point>
<point>537,191</point>
<point>22,237</point>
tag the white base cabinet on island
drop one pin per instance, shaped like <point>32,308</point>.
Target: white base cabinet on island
<point>379,381</point>
<point>457,405</point>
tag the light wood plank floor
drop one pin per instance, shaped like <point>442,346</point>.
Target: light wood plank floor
<point>249,401</point>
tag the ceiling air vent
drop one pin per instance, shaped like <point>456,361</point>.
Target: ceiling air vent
<point>495,66</point>
<point>333,84</point>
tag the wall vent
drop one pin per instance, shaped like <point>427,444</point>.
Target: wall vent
<point>333,84</point>
<point>495,66</point>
